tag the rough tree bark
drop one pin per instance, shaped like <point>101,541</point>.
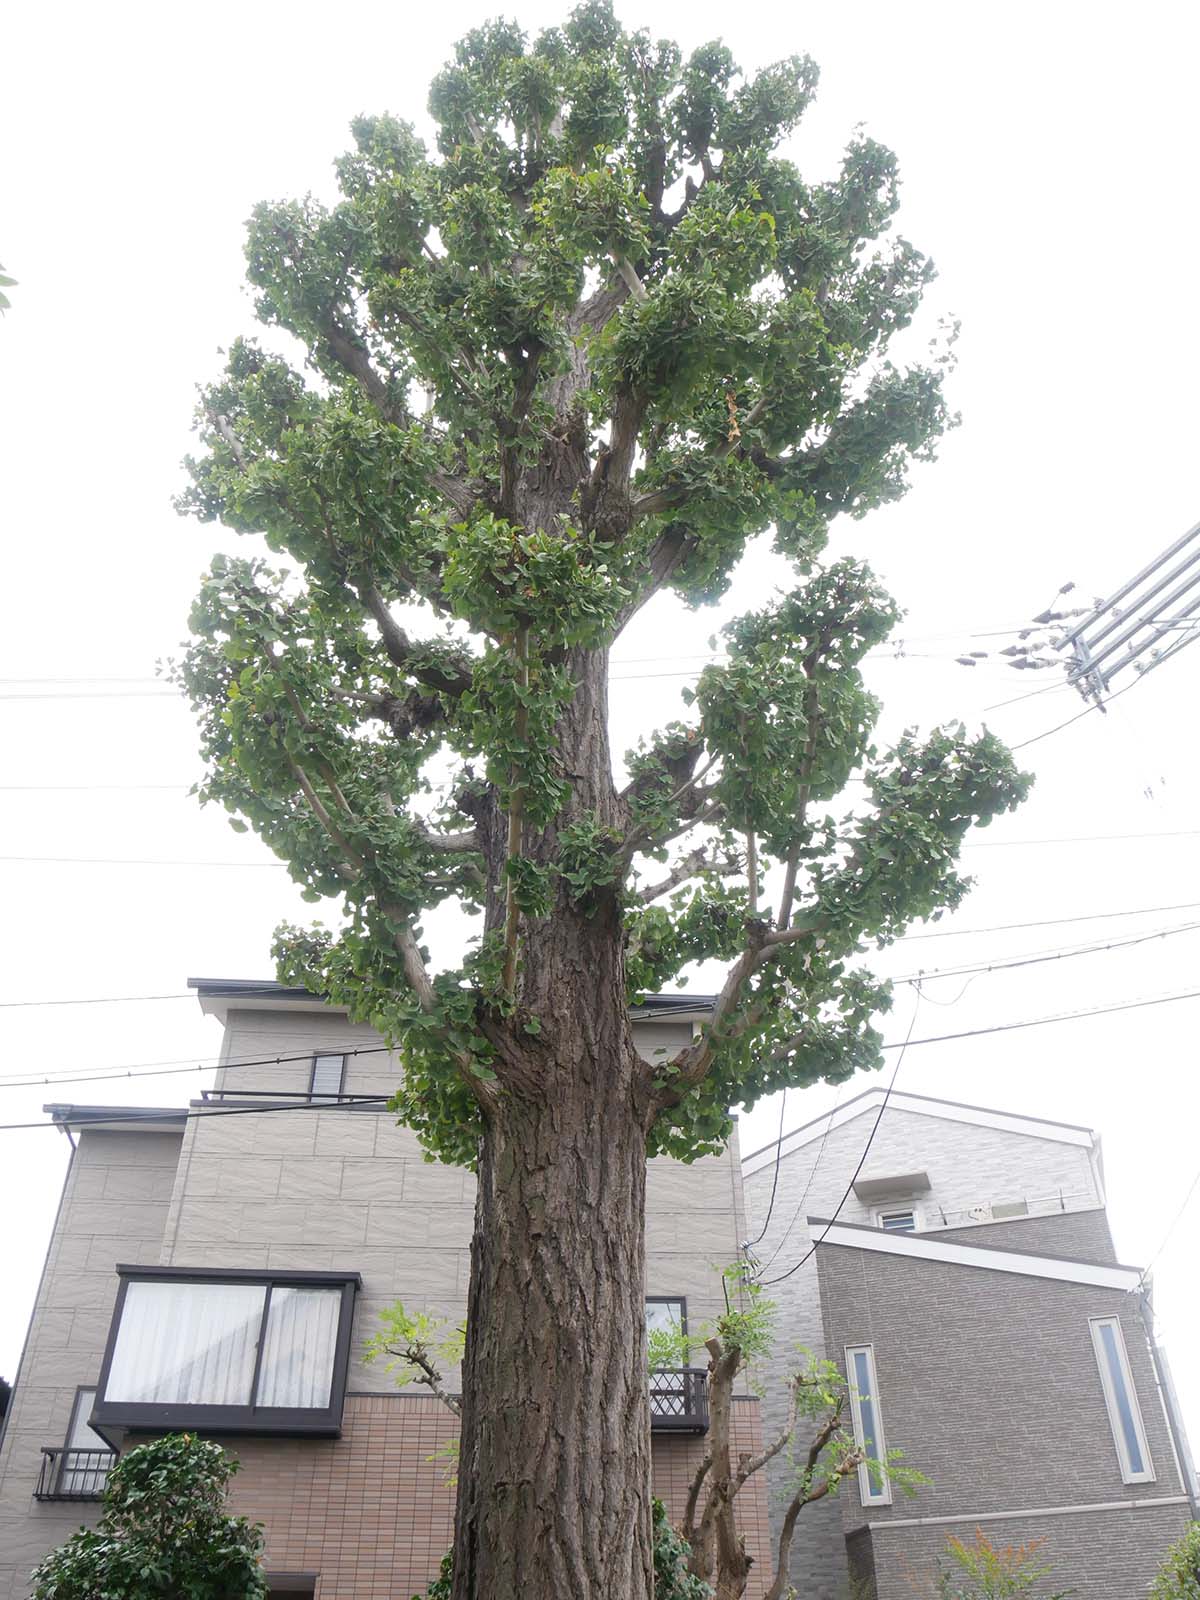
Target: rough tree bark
<point>558,1244</point>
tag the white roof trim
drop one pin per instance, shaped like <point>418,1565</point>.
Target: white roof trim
<point>926,1248</point>
<point>924,1106</point>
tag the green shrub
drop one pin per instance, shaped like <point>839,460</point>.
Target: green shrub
<point>1179,1576</point>
<point>163,1532</point>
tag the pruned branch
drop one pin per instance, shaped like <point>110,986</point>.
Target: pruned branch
<point>810,1491</point>
<point>417,1357</point>
<point>696,862</point>
<point>451,678</point>
<point>693,1496</point>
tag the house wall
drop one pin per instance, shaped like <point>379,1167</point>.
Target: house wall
<point>968,1166</point>
<point>371,1514</point>
<point>114,1207</point>
<point>1004,1412</point>
<point>319,1188</point>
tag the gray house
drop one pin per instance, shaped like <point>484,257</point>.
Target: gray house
<point>219,1266</point>
<point>970,1291</point>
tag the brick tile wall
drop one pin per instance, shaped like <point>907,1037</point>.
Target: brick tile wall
<point>373,1516</point>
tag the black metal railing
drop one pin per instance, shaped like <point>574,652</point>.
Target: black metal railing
<point>679,1400</point>
<point>73,1474</point>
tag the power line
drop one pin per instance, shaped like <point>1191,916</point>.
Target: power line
<point>161,861</point>
<point>106,1076</point>
<point>749,1243</point>
<point>121,1069</point>
<point>1077,838</point>
<point>1038,958</point>
<point>800,1204</point>
<point>92,788</point>
<point>908,1042</point>
<point>1062,1016</point>
<point>131,861</point>
<point>770,1282</point>
<point>1052,922</point>
<point>195,1114</point>
<point>1098,705</point>
<point>1167,1237</point>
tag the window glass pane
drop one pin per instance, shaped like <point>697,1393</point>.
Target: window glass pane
<point>186,1344</point>
<point>664,1316</point>
<point>866,1401</point>
<point>297,1364</point>
<point>1108,1340</point>
<point>898,1222</point>
<point>327,1074</point>
<point>81,1436</point>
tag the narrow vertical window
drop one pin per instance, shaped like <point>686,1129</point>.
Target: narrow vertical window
<point>328,1074</point>
<point>873,1487</point>
<point>1120,1397</point>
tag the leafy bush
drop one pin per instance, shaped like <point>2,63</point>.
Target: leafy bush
<point>1179,1576</point>
<point>163,1532</point>
<point>981,1571</point>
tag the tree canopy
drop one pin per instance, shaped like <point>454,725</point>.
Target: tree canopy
<point>582,351</point>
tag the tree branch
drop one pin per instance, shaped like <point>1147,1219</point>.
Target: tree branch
<point>698,861</point>
<point>427,1374</point>
<point>452,679</point>
<point>693,1496</point>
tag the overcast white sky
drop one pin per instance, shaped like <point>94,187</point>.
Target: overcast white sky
<point>1049,159</point>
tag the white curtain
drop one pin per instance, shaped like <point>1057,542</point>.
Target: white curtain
<point>297,1365</point>
<point>187,1344</point>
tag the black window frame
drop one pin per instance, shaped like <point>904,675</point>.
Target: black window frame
<point>296,1422</point>
<point>326,1094</point>
<point>679,1300</point>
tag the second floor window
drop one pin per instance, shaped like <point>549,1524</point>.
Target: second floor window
<point>873,1487</point>
<point>328,1076</point>
<point>898,1221</point>
<point>1124,1413</point>
<point>253,1352</point>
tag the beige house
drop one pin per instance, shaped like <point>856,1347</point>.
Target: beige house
<point>220,1266</point>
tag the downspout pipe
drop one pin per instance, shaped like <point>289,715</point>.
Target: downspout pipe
<point>1166,1387</point>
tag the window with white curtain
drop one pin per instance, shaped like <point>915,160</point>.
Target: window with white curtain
<point>186,1346</point>
<point>301,1335</point>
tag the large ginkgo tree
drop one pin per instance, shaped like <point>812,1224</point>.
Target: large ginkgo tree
<point>576,356</point>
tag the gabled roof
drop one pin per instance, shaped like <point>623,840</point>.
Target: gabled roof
<point>922,1105</point>
<point>991,1258</point>
<point>219,995</point>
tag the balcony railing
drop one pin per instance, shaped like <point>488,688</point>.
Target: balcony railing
<point>73,1474</point>
<point>679,1400</point>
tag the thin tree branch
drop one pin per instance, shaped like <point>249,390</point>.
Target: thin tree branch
<point>786,899</point>
<point>452,679</point>
<point>691,866</point>
<point>427,1374</point>
<point>631,280</point>
<point>693,1496</point>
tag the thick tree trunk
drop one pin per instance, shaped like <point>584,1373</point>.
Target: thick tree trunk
<point>554,1467</point>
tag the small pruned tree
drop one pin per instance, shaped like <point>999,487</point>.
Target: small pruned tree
<point>572,358</point>
<point>1179,1576</point>
<point>163,1532</point>
<point>815,1442</point>
<point>982,1570</point>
